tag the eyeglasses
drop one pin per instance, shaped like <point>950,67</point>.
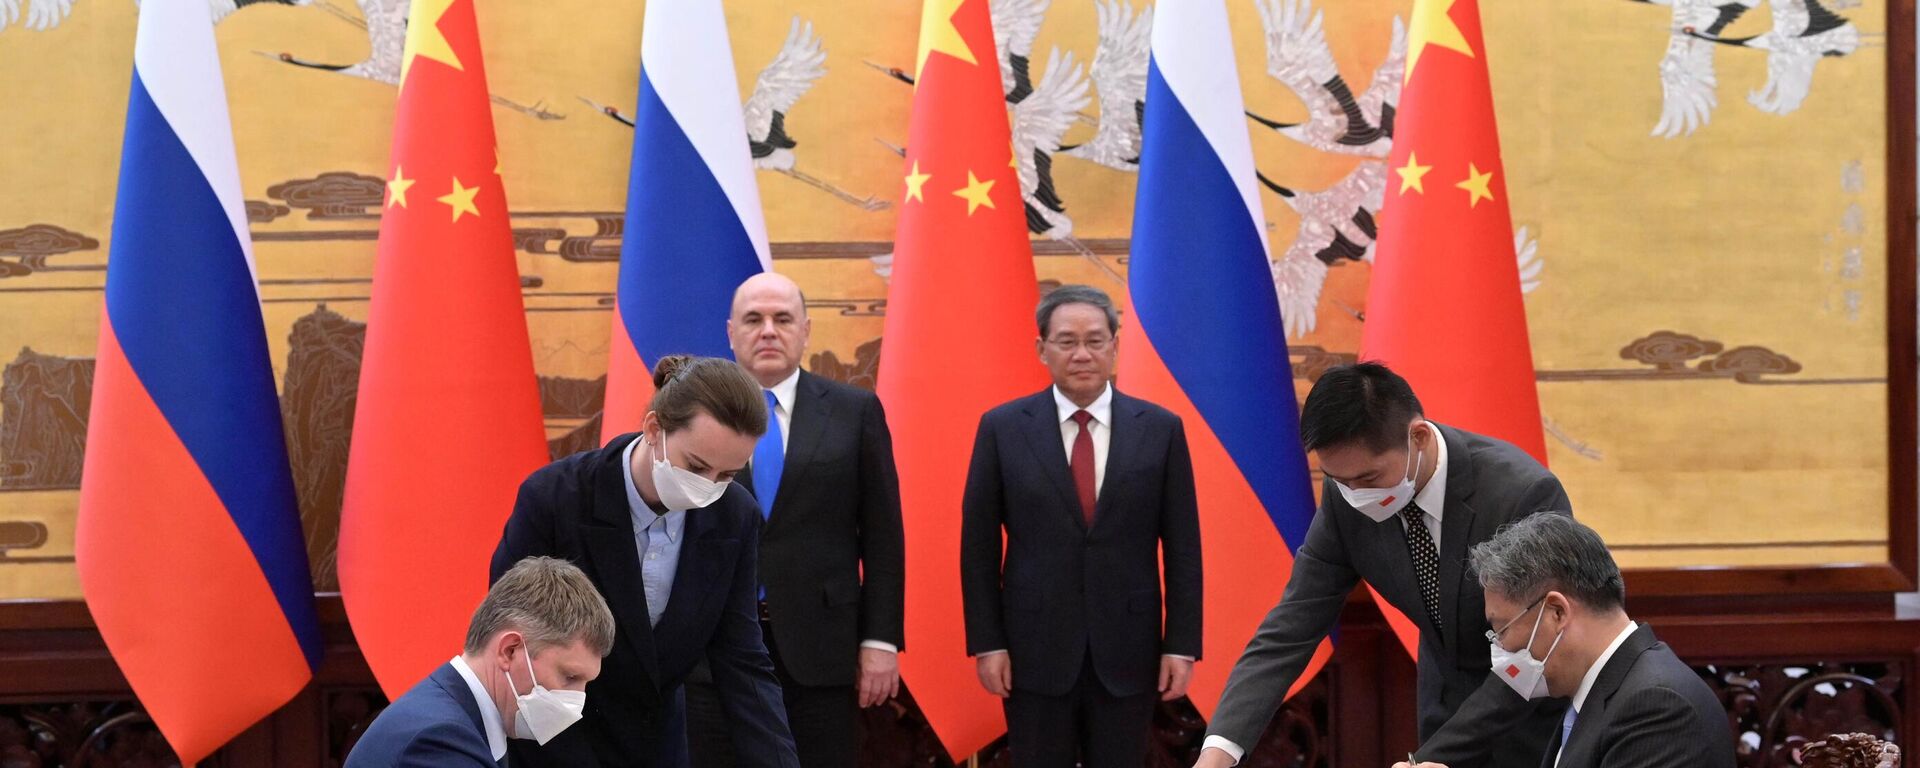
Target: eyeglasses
<point>1096,344</point>
<point>1493,635</point>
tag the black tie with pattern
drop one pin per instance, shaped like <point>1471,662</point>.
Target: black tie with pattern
<point>1426,560</point>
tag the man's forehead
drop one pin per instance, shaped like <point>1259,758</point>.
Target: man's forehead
<point>1350,456</point>
<point>766,302</point>
<point>1498,606</point>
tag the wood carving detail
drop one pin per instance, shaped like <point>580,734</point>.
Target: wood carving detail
<point>1776,710</point>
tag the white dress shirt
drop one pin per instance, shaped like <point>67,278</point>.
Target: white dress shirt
<point>489,713</point>
<point>1433,496</point>
<point>1593,673</point>
<point>1101,430</point>
<point>1432,499</point>
<point>783,395</point>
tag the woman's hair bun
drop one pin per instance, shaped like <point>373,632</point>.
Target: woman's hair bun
<point>669,367</point>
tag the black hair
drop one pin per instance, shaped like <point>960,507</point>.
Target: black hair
<point>1363,401</point>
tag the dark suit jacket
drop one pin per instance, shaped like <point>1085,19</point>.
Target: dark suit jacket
<point>576,508</point>
<point>435,725</point>
<point>1467,716</point>
<point>1065,590</point>
<point>1647,709</point>
<point>836,518</point>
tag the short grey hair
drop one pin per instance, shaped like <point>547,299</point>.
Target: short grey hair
<point>548,600</point>
<point>1550,551</point>
<point>1076,294</point>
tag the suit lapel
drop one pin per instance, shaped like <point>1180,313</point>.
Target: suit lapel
<point>1580,745</point>
<point>812,411</point>
<point>1043,437</point>
<point>1550,759</point>
<point>1456,525</point>
<point>696,578</point>
<point>1384,560</point>
<point>449,680</point>
<point>615,556</point>
<point>1123,441</point>
<point>1402,587</point>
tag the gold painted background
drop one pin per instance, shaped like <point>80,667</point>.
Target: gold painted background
<point>1709,319</point>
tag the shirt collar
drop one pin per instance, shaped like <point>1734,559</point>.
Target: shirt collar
<point>644,515</point>
<point>787,390</point>
<point>1593,672</point>
<point>1102,407</point>
<point>489,712</point>
<point>1433,495</point>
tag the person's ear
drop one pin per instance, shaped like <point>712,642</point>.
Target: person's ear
<point>510,646</point>
<point>1558,607</point>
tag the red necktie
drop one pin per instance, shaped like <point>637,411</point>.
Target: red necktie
<point>1082,465</point>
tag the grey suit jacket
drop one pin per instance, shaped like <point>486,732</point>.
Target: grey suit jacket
<point>1647,710</point>
<point>1468,717</point>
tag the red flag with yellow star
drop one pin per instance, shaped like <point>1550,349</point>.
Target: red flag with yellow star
<point>448,421</point>
<point>958,341</point>
<point>1443,307</point>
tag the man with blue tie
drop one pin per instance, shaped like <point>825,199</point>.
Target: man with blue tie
<point>831,551</point>
<point>1557,605</point>
<point>532,646</point>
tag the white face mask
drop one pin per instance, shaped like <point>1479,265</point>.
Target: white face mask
<point>679,488</point>
<point>1518,669</point>
<point>543,714</point>
<point>1381,504</point>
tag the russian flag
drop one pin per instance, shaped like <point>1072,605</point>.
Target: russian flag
<point>694,227</point>
<point>189,542</point>
<point>1211,345</point>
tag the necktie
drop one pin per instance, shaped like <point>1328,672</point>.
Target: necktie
<point>1081,462</point>
<point>1426,561</point>
<point>769,458</point>
<point>1566,729</point>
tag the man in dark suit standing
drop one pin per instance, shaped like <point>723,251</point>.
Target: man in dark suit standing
<point>532,646</point>
<point>1090,488</point>
<point>831,552</point>
<point>1557,602</point>
<point>1404,500</point>
<point>656,522</point>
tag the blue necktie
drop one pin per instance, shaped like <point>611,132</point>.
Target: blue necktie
<point>769,459</point>
<point>1566,727</point>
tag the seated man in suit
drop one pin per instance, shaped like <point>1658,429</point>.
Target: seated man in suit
<point>532,647</point>
<point>1093,490</point>
<point>656,522</point>
<point>1557,603</point>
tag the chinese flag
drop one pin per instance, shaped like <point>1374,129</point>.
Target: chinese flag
<point>958,340</point>
<point>448,421</point>
<point>1443,307</point>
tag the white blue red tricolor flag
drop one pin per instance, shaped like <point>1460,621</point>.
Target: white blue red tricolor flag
<point>189,542</point>
<point>1210,344</point>
<point>694,226</point>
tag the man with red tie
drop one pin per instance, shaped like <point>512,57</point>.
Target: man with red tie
<point>1091,488</point>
